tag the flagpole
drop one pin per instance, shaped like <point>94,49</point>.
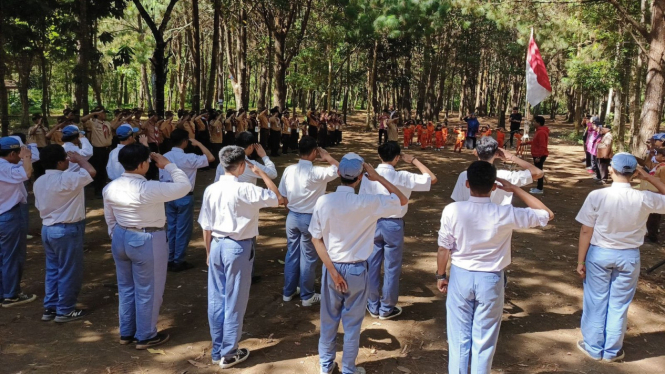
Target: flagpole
<point>527,106</point>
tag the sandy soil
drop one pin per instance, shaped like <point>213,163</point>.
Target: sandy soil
<point>540,322</point>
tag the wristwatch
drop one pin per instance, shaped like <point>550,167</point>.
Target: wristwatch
<point>440,277</point>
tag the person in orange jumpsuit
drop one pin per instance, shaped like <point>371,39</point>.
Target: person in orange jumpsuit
<point>439,138</point>
<point>501,136</point>
<point>429,133</point>
<point>408,134</point>
<point>518,136</point>
<point>419,132</point>
<point>486,132</point>
<point>444,134</point>
<point>461,136</point>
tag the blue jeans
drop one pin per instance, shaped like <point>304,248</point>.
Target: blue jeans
<point>301,257</point>
<point>388,248</point>
<point>140,262</point>
<point>229,280</point>
<point>63,246</point>
<point>180,223</point>
<point>12,251</point>
<point>348,307</point>
<point>609,287</point>
<point>474,306</point>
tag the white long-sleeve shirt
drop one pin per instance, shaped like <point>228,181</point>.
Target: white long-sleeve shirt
<point>85,151</point>
<point>12,189</point>
<point>518,178</point>
<point>113,167</point>
<point>303,183</point>
<point>187,162</point>
<point>133,201</point>
<point>59,196</point>
<point>249,176</point>
<point>405,181</point>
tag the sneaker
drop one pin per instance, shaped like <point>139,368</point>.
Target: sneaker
<point>395,312</point>
<point>315,299</point>
<point>240,356</point>
<point>370,313</point>
<point>29,237</point>
<point>582,347</point>
<point>359,370</point>
<point>71,316</point>
<point>256,279</point>
<point>19,300</point>
<point>620,355</point>
<point>48,315</point>
<point>180,266</point>
<point>536,191</point>
<point>159,339</point>
<point>127,340</point>
<point>216,362</point>
<point>332,368</point>
<point>596,178</point>
<point>290,297</point>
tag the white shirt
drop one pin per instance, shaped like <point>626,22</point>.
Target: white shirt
<point>303,183</point>
<point>187,162</point>
<point>248,176</point>
<point>346,222</point>
<point>85,151</point>
<point>405,181</point>
<point>618,215</point>
<point>12,189</point>
<point>59,196</point>
<point>113,167</point>
<point>230,208</point>
<point>478,232</point>
<point>500,197</point>
<point>133,201</point>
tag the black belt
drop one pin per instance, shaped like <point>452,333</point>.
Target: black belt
<point>144,230</point>
<point>191,193</point>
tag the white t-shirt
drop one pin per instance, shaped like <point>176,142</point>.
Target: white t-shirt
<point>303,183</point>
<point>405,181</point>
<point>500,197</point>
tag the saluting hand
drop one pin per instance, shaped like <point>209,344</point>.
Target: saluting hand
<point>259,150</point>
<point>25,153</point>
<point>143,140</point>
<point>505,185</point>
<point>408,158</point>
<point>74,157</point>
<point>370,172</point>
<point>505,155</point>
<point>159,160</point>
<point>255,169</point>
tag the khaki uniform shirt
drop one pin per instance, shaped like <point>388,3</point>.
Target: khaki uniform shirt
<point>166,128</point>
<point>152,131</point>
<point>37,135</point>
<point>100,132</point>
<point>263,121</point>
<point>286,125</point>
<point>275,124</point>
<point>216,131</point>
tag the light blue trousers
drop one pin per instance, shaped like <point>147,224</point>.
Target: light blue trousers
<point>301,257</point>
<point>609,287</point>
<point>349,307</point>
<point>229,280</point>
<point>180,223</point>
<point>12,251</point>
<point>388,248</point>
<point>141,260</point>
<point>474,306</point>
<point>63,247</point>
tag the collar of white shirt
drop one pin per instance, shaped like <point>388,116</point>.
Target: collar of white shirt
<point>345,189</point>
<point>229,177</point>
<point>53,171</point>
<point>132,175</point>
<point>177,150</point>
<point>620,185</point>
<point>482,200</point>
<point>305,162</point>
<point>385,166</point>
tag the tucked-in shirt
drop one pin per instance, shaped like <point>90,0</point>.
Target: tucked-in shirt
<point>59,196</point>
<point>346,222</point>
<point>618,215</point>
<point>12,189</point>
<point>101,134</point>
<point>405,181</point>
<point>478,232</point>
<point>37,135</point>
<point>152,131</point>
<point>85,151</point>
<point>113,167</point>
<point>303,183</point>
<point>133,201</point>
<point>518,178</point>
<point>217,131</point>
<point>230,208</point>
<point>249,176</point>
<point>187,162</point>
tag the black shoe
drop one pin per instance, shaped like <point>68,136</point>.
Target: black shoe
<point>126,340</point>
<point>181,266</point>
<point>394,313</point>
<point>240,356</point>
<point>19,300</point>
<point>169,267</point>
<point>159,339</point>
<point>49,315</point>
<point>71,316</point>
<point>256,279</point>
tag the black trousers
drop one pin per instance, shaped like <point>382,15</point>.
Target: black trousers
<point>215,148</point>
<point>165,146</point>
<point>313,131</point>
<point>99,159</point>
<point>653,225</point>
<point>470,142</point>
<point>383,135</point>
<point>275,136</point>
<point>339,136</point>
<point>539,164</point>
<point>293,141</point>
<point>322,138</point>
<point>603,168</point>
<point>153,170</point>
<point>587,161</point>
<point>38,169</point>
<point>229,138</point>
<point>513,131</point>
<point>263,138</point>
<point>286,138</point>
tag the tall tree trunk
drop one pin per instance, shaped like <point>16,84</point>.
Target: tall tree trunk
<point>330,79</point>
<point>263,86</point>
<point>638,76</point>
<point>23,67</point>
<point>210,92</point>
<point>82,69</point>
<point>279,92</point>
<point>196,57</point>
<point>43,65</point>
<point>146,87</point>
<point>371,88</point>
<point>4,98</point>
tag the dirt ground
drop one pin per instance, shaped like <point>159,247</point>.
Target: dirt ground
<point>540,322</point>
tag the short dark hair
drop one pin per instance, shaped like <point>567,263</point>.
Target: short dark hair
<point>481,176</point>
<point>515,108</point>
<point>346,181</point>
<point>231,157</point>
<point>178,136</point>
<point>69,138</point>
<point>51,155</point>
<point>245,139</point>
<point>486,148</point>
<point>388,151</point>
<point>7,152</point>
<point>133,155</point>
<point>307,145</point>
<point>540,120</point>
<point>20,136</point>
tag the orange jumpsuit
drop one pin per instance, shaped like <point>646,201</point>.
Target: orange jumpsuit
<point>429,132</point>
<point>487,133</point>
<point>519,144</point>
<point>439,139</point>
<point>459,143</point>
<point>419,131</point>
<point>500,138</point>
<point>444,132</point>
<point>408,134</point>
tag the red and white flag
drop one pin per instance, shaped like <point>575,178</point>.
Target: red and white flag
<point>538,86</point>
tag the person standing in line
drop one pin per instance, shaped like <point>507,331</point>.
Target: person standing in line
<point>391,130</point>
<point>264,124</point>
<point>295,132</point>
<point>166,127</point>
<point>302,184</point>
<point>342,228</point>
<point>275,131</point>
<point>539,150</point>
<point>383,119</point>
<point>312,124</point>
<point>180,212</point>
<point>247,141</point>
<point>60,199</point>
<point>229,219</point>
<point>134,213</point>
<point>286,132</point>
<point>101,136</point>
<point>15,169</point>
<point>604,155</point>
<point>37,136</point>
<point>322,132</point>
<point>125,134</point>
<point>472,130</point>
<point>389,235</point>
<point>515,120</point>
<point>613,227</point>
<point>75,141</point>
<point>216,129</point>
<point>479,250</point>
<point>253,125</point>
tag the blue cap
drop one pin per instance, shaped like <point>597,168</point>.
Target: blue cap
<point>9,142</point>
<point>71,130</point>
<point>624,162</point>
<point>125,130</point>
<point>351,166</point>
<point>660,136</point>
